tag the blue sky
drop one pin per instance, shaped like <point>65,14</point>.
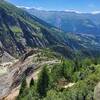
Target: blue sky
<point>77,5</point>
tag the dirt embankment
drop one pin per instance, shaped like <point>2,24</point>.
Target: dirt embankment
<point>10,81</point>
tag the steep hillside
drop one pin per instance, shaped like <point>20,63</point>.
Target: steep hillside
<point>70,21</point>
<point>19,31</point>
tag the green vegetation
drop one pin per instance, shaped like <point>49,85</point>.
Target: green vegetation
<point>23,88</point>
<point>16,29</point>
<point>53,81</point>
<point>43,81</point>
<point>32,82</point>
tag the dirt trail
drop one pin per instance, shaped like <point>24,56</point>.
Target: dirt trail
<point>69,85</point>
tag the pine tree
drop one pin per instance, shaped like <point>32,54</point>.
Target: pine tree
<point>32,82</point>
<point>43,82</point>
<point>23,87</point>
<point>77,64</point>
<point>67,69</point>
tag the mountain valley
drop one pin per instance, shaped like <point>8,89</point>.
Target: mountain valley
<point>48,55</point>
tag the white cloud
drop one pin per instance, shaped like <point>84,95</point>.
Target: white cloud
<point>72,10</point>
<point>67,10</point>
<point>38,8</point>
<point>96,12</point>
<point>24,7</point>
<point>79,12</point>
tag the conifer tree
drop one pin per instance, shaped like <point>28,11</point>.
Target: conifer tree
<point>23,85</point>
<point>32,82</point>
<point>43,81</point>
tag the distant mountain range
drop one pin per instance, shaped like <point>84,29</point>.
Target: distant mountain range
<point>70,21</point>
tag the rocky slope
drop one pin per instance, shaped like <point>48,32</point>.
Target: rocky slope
<point>20,31</point>
<point>28,65</point>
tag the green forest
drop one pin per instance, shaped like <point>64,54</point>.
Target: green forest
<point>69,80</point>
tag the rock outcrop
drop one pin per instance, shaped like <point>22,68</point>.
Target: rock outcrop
<point>97,92</point>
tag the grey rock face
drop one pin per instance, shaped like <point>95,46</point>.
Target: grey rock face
<point>97,92</point>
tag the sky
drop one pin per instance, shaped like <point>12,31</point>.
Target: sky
<point>60,5</point>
